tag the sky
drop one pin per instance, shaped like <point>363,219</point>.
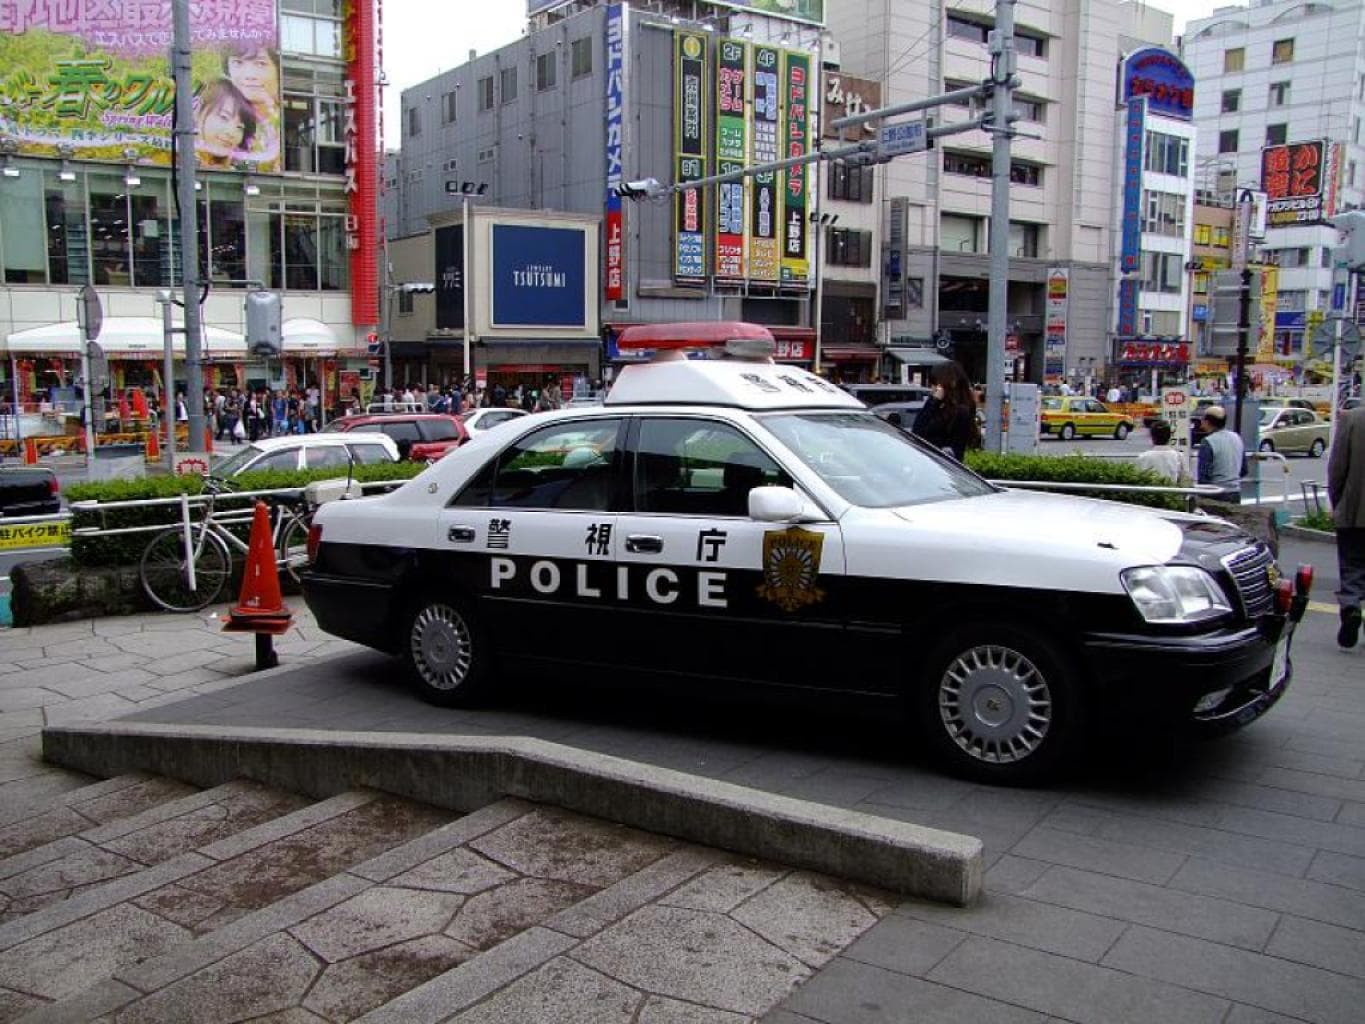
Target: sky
<point>415,49</point>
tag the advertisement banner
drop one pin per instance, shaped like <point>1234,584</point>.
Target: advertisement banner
<point>1270,293</point>
<point>1127,326</point>
<point>796,136</point>
<point>1163,78</point>
<point>360,131</point>
<point>812,11</point>
<point>615,237</point>
<point>766,91</point>
<point>1295,178</point>
<point>732,150</point>
<point>690,138</point>
<point>1054,324</point>
<point>95,79</point>
<point>449,277</point>
<point>1130,245</point>
<point>1155,353</point>
<point>538,277</point>
<point>846,96</point>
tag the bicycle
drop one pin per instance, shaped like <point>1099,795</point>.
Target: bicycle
<point>165,571</point>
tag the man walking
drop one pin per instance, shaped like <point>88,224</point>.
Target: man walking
<point>1346,488</point>
<point>1221,455</point>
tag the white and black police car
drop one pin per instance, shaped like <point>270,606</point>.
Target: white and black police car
<point>727,519</point>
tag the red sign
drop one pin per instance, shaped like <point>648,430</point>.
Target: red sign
<point>1154,352</point>
<point>360,20</point>
<point>793,351</point>
<point>1294,178</point>
<point>616,249</point>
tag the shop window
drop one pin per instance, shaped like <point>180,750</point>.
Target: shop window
<point>580,57</point>
<point>545,71</point>
<point>961,234</point>
<point>299,134</point>
<point>109,231</point>
<point>1282,52</point>
<point>846,247</point>
<point>149,228</point>
<point>226,241</point>
<point>1167,154</point>
<point>21,213</point>
<point>1234,59</point>
<point>1163,214</point>
<point>313,37</point>
<point>1162,272</point>
<point>1232,100</point>
<point>331,156</point>
<point>334,264</point>
<point>68,242</point>
<point>1024,239</point>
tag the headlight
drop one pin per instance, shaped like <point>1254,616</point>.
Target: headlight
<point>1172,594</point>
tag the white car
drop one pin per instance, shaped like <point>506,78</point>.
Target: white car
<point>734,521</point>
<point>308,451</point>
<point>478,420</point>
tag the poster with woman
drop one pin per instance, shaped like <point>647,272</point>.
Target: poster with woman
<point>93,82</point>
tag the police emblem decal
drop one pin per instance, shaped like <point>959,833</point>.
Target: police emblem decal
<point>791,566</point>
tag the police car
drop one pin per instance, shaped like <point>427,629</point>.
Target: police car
<point>728,519</point>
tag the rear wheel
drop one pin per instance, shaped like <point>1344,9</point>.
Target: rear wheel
<point>1067,432</point>
<point>165,576</point>
<point>446,652</point>
<point>1316,449</point>
<point>1267,446</point>
<point>1000,705</point>
<point>1121,431</point>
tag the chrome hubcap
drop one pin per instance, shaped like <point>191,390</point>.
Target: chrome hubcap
<point>995,704</point>
<point>441,647</point>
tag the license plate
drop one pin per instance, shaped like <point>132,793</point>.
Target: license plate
<point>1279,668</point>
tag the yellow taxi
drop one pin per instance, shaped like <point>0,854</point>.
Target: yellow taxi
<point>1069,417</point>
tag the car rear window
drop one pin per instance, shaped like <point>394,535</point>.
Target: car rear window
<point>367,454</point>
<point>440,430</point>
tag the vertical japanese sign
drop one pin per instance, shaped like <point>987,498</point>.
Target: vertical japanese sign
<point>615,248</point>
<point>764,205</point>
<point>1054,342</point>
<point>1264,346</point>
<point>1130,245</point>
<point>796,142</point>
<point>361,135</point>
<point>731,155</point>
<point>96,76</point>
<point>449,246</point>
<point>689,119</point>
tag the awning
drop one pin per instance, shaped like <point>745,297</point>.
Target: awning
<point>917,356</point>
<point>851,353</point>
<point>305,337</point>
<point>121,337</point>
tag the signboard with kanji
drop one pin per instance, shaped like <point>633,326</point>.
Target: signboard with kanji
<point>1163,78</point>
<point>1295,179</point>
<point>95,80</point>
<point>690,154</point>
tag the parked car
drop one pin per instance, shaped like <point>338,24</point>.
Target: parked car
<point>1293,431</point>
<point>1076,416</point>
<point>309,451</point>
<point>873,395</point>
<point>899,414</point>
<point>28,491</point>
<point>476,421</point>
<point>421,437</point>
<point>1281,402</point>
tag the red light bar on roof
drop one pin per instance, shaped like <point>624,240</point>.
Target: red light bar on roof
<point>753,339</point>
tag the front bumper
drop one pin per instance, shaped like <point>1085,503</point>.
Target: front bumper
<point>1208,683</point>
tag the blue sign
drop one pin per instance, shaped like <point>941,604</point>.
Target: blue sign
<point>615,237</point>
<point>1338,296</point>
<point>901,137</point>
<point>1130,250</point>
<point>1128,308</point>
<point>1201,311</point>
<point>1290,321</point>
<point>538,276</point>
<point>1163,79</point>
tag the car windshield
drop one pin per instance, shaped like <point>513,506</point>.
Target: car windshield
<point>1268,415</point>
<point>1052,404</point>
<point>869,462</point>
<point>233,463</point>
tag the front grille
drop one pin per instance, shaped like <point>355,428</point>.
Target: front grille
<point>1251,570</point>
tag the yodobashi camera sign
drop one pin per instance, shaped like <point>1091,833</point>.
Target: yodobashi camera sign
<point>539,277</point>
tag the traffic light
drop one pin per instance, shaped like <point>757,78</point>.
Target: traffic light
<point>373,344</point>
<point>1352,245</point>
<point>1226,294</point>
<point>264,325</point>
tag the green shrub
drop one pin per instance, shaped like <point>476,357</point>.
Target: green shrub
<point>1077,469</point>
<point>126,549</point>
<point>1318,521</point>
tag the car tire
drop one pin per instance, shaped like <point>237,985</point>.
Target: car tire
<point>1121,431</point>
<point>999,704</point>
<point>1267,446</point>
<point>446,651</point>
<point>1067,432</point>
<point>1316,449</point>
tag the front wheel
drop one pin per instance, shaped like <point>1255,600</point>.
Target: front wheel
<point>1121,431</point>
<point>1316,449</point>
<point>165,575</point>
<point>446,652</point>
<point>1267,446</point>
<point>1067,432</point>
<point>1000,705</point>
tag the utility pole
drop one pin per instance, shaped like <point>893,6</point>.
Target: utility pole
<point>1002,115</point>
<point>189,228</point>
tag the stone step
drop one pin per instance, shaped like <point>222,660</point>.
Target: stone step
<point>515,912</point>
<point>64,867</point>
<point>68,946</point>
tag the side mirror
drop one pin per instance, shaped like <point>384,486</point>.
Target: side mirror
<point>774,504</point>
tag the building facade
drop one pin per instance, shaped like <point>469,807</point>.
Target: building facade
<point>286,192</point>
<point>1279,110</point>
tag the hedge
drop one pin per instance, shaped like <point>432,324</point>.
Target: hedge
<point>1318,521</point>
<point>126,549</point>
<point>1077,469</point>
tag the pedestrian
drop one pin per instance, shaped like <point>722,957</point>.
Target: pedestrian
<point>948,419</point>
<point>1346,488</point>
<point>279,413</point>
<point>1162,459</point>
<point>1222,456</point>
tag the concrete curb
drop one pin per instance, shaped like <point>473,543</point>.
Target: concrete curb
<point>465,773</point>
<point>1304,533</point>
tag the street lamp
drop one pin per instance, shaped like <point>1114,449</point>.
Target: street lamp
<point>467,191</point>
<point>392,289</point>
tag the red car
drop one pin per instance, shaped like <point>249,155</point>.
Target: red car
<point>423,436</point>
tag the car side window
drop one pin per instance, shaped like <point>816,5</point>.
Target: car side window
<point>367,428</point>
<point>401,430</point>
<point>699,467</point>
<point>367,454</point>
<point>325,456</point>
<point>563,466</point>
<point>285,458</point>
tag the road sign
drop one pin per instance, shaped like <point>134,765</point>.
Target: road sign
<point>1339,296</point>
<point>1323,338</point>
<point>1175,410</point>
<point>900,138</point>
<point>89,313</point>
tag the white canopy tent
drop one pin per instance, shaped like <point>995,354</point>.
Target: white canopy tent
<point>121,337</point>
<point>305,337</point>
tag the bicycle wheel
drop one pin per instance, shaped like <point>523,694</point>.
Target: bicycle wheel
<point>293,546</point>
<point>165,580</point>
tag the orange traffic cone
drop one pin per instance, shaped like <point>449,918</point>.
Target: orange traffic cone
<point>30,451</point>
<point>153,445</point>
<point>208,439</point>
<point>260,609</point>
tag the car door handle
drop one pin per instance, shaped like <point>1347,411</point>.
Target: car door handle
<point>641,544</point>
<point>460,535</point>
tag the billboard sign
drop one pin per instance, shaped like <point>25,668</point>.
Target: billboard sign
<point>360,132</point>
<point>1127,325</point>
<point>1155,353</point>
<point>1130,245</point>
<point>690,152</point>
<point>1162,78</point>
<point>449,277</point>
<point>538,277</point>
<point>1294,178</point>
<point>732,149</point>
<point>766,91</point>
<point>614,274</point>
<point>797,95</point>
<point>812,11</point>
<point>96,78</point>
<point>1054,324</point>
<point>846,96</point>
